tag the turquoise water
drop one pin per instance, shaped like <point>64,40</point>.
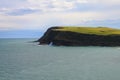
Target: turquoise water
<point>22,60</point>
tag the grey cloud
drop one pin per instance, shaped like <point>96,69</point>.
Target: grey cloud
<point>11,3</point>
<point>17,12</point>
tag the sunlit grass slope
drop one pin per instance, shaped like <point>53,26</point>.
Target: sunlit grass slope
<point>91,30</point>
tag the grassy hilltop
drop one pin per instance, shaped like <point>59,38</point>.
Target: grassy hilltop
<point>91,30</point>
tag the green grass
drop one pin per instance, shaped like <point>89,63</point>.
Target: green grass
<point>91,30</point>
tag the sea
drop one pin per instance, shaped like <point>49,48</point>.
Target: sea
<point>22,59</point>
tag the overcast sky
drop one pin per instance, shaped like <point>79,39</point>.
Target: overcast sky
<point>31,16</point>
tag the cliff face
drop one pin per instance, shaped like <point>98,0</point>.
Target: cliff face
<point>68,38</point>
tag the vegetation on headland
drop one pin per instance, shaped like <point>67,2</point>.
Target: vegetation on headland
<point>91,30</point>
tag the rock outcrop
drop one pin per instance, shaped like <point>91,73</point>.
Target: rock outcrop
<point>68,38</point>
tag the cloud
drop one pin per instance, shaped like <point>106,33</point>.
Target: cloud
<point>22,7</point>
<point>51,5</point>
<point>43,21</point>
<point>18,6</point>
<point>12,3</point>
<point>9,22</point>
<point>109,2</point>
<point>41,14</point>
<point>16,12</point>
<point>55,5</point>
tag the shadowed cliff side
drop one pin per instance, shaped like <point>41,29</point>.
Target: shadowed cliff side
<point>57,37</point>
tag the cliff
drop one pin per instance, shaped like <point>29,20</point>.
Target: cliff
<point>81,36</point>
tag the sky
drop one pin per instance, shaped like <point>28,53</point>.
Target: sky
<point>31,18</point>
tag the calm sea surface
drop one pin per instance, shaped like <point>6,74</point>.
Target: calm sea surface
<point>22,60</point>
